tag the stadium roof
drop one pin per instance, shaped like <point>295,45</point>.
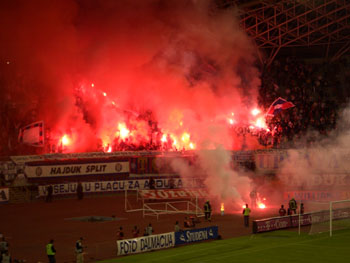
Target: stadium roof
<point>301,23</point>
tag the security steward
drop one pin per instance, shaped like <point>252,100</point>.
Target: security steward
<point>51,252</point>
<point>246,213</point>
<point>293,205</point>
<point>207,211</point>
<point>79,249</point>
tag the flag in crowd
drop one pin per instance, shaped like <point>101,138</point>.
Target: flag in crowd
<point>32,134</point>
<point>278,105</point>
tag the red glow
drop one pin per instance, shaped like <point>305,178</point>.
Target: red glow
<point>222,208</point>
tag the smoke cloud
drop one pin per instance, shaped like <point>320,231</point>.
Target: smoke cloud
<point>86,66</point>
<point>184,61</point>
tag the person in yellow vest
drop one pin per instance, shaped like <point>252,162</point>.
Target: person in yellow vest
<point>51,252</point>
<point>246,213</point>
<point>293,205</point>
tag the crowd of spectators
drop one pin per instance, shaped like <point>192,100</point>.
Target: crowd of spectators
<point>318,92</point>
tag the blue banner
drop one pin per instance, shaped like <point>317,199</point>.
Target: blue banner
<point>196,235</point>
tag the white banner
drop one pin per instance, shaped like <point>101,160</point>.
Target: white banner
<point>4,195</point>
<point>76,169</point>
<point>110,186</point>
<point>145,244</point>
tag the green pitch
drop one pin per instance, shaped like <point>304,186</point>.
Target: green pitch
<point>278,246</point>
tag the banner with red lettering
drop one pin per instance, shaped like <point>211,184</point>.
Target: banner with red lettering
<point>173,194</point>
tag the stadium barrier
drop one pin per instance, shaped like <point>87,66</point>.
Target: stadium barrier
<point>283,222</point>
<point>165,240</point>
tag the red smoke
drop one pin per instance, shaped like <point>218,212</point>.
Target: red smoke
<point>136,72</point>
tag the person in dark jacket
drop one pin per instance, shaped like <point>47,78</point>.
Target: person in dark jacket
<point>49,193</point>
<point>80,193</point>
<point>207,211</point>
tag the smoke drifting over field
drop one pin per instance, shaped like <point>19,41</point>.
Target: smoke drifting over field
<point>322,169</point>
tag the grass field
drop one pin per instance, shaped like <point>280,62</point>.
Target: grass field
<point>271,247</point>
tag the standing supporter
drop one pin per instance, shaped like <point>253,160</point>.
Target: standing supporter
<point>302,209</point>
<point>152,183</point>
<point>4,246</point>
<point>171,183</point>
<point>253,195</point>
<point>289,212</point>
<point>135,232</point>
<point>177,227</point>
<point>145,233</point>
<point>120,234</point>
<point>79,249</point>
<point>282,211</point>
<point>207,210</point>
<point>51,252</point>
<point>188,222</point>
<point>6,258</point>
<point>49,190</point>
<point>293,205</point>
<point>246,213</point>
<point>80,193</point>
<point>150,229</point>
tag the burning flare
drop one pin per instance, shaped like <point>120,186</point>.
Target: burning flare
<point>65,140</point>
